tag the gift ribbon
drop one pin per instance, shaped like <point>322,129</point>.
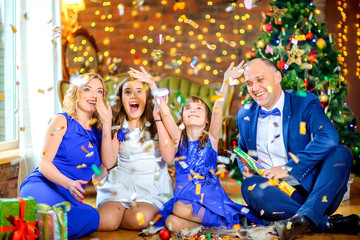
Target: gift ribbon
<point>59,209</point>
<point>22,229</point>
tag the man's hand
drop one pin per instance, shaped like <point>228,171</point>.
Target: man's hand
<point>248,172</point>
<point>276,173</point>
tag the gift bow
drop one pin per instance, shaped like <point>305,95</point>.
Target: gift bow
<point>59,209</point>
<point>22,229</point>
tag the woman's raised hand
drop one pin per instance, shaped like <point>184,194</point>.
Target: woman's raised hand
<point>104,111</point>
<point>143,76</point>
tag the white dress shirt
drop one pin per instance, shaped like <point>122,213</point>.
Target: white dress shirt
<point>270,140</point>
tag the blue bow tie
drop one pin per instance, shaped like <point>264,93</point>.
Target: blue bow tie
<point>264,113</point>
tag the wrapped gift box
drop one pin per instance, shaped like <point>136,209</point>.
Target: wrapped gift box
<point>18,218</point>
<point>52,221</point>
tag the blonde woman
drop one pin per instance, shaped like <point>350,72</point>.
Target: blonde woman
<point>72,148</point>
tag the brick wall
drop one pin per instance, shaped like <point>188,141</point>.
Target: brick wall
<point>160,15</point>
<point>8,180</point>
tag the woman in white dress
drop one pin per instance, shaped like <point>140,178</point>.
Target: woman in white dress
<point>131,195</point>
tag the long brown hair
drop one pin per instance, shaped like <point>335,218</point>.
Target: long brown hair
<point>147,116</point>
<point>72,96</point>
<point>204,136</point>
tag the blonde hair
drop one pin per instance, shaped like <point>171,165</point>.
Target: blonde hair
<point>72,95</point>
<point>203,137</point>
<point>119,114</point>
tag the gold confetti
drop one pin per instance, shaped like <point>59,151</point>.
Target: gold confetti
<point>179,5</point>
<point>13,28</point>
<point>202,198</point>
<point>140,218</point>
<point>212,171</point>
<point>2,96</point>
<point>96,182</point>
<point>41,91</point>
<point>148,147</point>
<point>273,182</point>
<point>294,157</point>
<point>92,121</point>
<point>217,98</point>
<point>22,129</point>
<point>215,108</point>
<point>198,189</point>
<point>324,199</point>
<point>179,186</point>
<point>81,165</point>
<point>198,176</point>
<point>288,225</point>
<point>44,153</point>
<point>84,149</point>
<point>179,158</point>
<point>302,128</point>
<point>278,212</point>
<point>250,188</point>
<point>212,47</point>
<point>321,127</point>
<point>236,227</point>
<point>156,218</point>
<point>26,16</point>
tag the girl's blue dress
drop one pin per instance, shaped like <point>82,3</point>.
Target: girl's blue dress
<point>212,205</point>
<point>82,218</point>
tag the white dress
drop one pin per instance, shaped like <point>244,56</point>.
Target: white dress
<point>141,174</point>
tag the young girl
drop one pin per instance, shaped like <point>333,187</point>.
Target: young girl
<point>134,191</point>
<point>199,197</point>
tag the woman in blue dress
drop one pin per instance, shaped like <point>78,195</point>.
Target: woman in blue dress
<point>72,146</point>
<point>199,198</point>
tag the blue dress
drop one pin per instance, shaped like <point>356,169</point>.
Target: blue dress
<point>211,203</point>
<point>82,218</point>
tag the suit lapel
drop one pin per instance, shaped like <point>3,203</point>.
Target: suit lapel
<point>287,111</point>
<point>253,126</point>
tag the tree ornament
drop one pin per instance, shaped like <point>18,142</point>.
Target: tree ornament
<point>312,58</point>
<point>164,234</point>
<point>324,98</point>
<point>294,55</point>
<point>280,64</point>
<point>279,22</point>
<point>300,37</point>
<point>309,36</point>
<point>268,27</point>
<point>252,54</point>
<point>195,237</point>
<point>306,66</point>
<point>306,84</point>
<point>269,49</point>
<point>321,43</point>
<point>260,44</point>
<point>277,13</point>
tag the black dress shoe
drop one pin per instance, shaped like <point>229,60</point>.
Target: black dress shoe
<point>345,225</point>
<point>290,228</point>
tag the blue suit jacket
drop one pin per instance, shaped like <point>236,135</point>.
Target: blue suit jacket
<point>311,148</point>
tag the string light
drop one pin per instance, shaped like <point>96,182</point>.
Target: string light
<point>343,28</point>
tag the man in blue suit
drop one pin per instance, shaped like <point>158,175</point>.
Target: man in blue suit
<point>296,142</point>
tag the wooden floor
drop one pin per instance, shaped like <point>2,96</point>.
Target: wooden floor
<point>233,190</point>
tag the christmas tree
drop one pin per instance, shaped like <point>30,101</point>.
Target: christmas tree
<point>303,51</point>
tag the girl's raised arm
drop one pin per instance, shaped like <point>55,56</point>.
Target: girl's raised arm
<point>216,119</point>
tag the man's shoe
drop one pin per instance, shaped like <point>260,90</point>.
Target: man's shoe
<point>345,225</point>
<point>290,228</point>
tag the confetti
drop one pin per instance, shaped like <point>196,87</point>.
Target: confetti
<point>170,227</point>
<point>89,154</point>
<point>236,226</point>
<point>2,96</point>
<point>41,91</point>
<point>161,40</point>
<point>179,158</point>
<point>250,188</point>
<point>140,218</point>
<point>179,186</point>
<point>44,153</point>
<point>193,62</point>
<point>84,149</point>
<point>92,121</point>
<point>288,225</point>
<point>13,28</point>
<point>148,146</point>
<point>262,212</point>
<point>182,126</point>
<point>81,165</point>
<point>96,170</point>
<point>26,16</point>
<point>324,199</point>
<point>300,93</point>
<point>278,212</point>
<point>156,218</point>
<point>157,174</point>
<point>294,157</point>
<point>121,9</point>
<point>212,47</point>
<point>229,8</point>
<point>162,92</point>
<point>202,198</point>
<point>245,210</point>
<point>232,82</point>
<point>183,164</point>
<point>219,97</point>
<point>321,127</point>
<point>178,5</point>
<point>22,129</point>
<point>96,182</point>
<point>198,189</point>
<point>302,128</point>
<point>247,118</point>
